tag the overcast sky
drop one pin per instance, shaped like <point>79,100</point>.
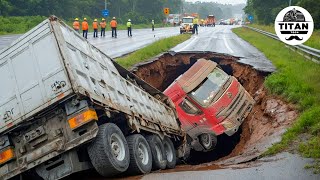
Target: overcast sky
<point>222,1</point>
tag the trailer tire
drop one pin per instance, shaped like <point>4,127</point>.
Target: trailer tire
<point>170,153</point>
<point>109,152</point>
<point>158,155</point>
<point>208,141</point>
<point>140,155</point>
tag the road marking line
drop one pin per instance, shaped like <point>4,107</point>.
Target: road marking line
<point>195,37</point>
<point>226,44</point>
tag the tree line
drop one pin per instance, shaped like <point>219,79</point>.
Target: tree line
<point>265,12</point>
<point>139,11</point>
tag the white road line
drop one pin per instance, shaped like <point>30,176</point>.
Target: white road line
<point>226,43</point>
<point>195,37</point>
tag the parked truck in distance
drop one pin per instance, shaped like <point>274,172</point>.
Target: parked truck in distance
<point>209,103</point>
<point>211,20</point>
<point>186,25</point>
<point>65,107</point>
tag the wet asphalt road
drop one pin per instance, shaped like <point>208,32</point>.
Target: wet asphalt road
<point>280,167</point>
<point>218,39</point>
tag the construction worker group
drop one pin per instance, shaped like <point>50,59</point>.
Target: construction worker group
<point>103,25</point>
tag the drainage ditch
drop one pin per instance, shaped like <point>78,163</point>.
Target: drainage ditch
<point>263,127</point>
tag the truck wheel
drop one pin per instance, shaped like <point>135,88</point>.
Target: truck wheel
<point>170,153</point>
<point>157,150</point>
<point>109,152</point>
<point>140,155</point>
<point>208,141</point>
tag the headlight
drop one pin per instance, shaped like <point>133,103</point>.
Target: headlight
<point>227,124</point>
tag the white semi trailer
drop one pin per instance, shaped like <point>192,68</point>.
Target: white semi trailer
<point>65,107</point>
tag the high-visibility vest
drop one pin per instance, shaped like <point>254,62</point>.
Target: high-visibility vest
<point>195,21</point>
<point>129,24</point>
<point>103,24</point>
<point>95,25</point>
<point>113,23</point>
<point>85,25</point>
<point>76,25</point>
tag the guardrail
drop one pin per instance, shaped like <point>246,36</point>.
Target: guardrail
<point>306,51</point>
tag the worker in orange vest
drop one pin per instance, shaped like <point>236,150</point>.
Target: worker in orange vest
<point>103,25</point>
<point>95,28</point>
<point>85,28</point>
<point>76,25</point>
<point>113,24</point>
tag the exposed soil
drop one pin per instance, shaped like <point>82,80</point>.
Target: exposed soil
<point>263,127</point>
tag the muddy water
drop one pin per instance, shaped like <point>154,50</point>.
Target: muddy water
<point>263,127</point>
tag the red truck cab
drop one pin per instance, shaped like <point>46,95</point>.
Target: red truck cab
<point>209,103</point>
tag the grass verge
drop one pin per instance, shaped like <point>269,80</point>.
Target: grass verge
<point>298,80</point>
<point>314,40</point>
<point>152,50</point>
<point>18,25</point>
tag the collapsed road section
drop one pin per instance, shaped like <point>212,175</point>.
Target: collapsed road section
<point>263,127</point>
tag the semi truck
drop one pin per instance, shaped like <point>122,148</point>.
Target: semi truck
<point>211,20</point>
<point>65,107</point>
<point>209,102</point>
<point>186,25</point>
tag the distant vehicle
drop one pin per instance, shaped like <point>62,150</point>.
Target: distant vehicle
<point>202,22</point>
<point>174,19</point>
<point>211,20</point>
<point>209,103</point>
<point>186,25</point>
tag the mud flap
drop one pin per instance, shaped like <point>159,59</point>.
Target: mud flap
<point>62,166</point>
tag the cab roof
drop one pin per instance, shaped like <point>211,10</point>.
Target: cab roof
<point>196,74</point>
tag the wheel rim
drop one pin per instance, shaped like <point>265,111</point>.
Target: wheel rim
<point>143,153</point>
<point>117,147</point>
<point>169,153</point>
<point>205,139</point>
<point>159,153</point>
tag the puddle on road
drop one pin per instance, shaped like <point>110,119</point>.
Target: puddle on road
<point>263,127</point>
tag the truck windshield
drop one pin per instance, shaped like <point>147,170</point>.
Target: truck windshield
<point>187,20</point>
<point>205,92</point>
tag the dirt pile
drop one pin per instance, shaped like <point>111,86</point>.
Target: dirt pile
<point>263,127</point>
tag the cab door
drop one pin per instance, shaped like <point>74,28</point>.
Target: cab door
<point>190,115</point>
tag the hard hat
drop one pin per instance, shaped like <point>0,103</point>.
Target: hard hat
<point>103,19</point>
<point>76,19</point>
<point>114,18</point>
<point>95,20</point>
<point>129,20</point>
<point>84,19</point>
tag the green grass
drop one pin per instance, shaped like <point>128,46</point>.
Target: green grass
<point>297,79</point>
<point>22,24</point>
<point>152,50</point>
<point>314,40</point>
<point>18,25</point>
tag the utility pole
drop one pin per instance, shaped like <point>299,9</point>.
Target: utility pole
<point>289,2</point>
